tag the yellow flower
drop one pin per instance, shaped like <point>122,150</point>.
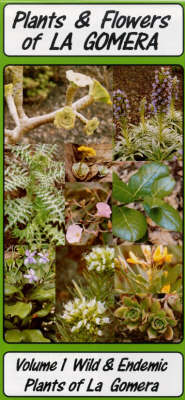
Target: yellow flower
<point>166,289</point>
<point>134,259</point>
<point>89,151</point>
<point>161,255</point>
<point>147,253</point>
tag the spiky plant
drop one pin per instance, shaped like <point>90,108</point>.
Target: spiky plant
<point>34,204</point>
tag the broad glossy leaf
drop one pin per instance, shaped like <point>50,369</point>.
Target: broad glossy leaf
<point>41,294</point>
<point>13,336</point>
<point>163,187</point>
<point>120,190</point>
<point>34,336</point>
<point>19,309</point>
<point>163,214</point>
<point>140,184</point>
<point>128,224</point>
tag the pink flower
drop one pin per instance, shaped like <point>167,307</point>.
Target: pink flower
<point>74,233</point>
<point>104,210</point>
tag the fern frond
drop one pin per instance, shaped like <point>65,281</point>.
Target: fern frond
<point>46,149</point>
<point>18,211</point>
<point>55,235</point>
<point>30,234</point>
<point>53,202</point>
<point>23,152</point>
<point>16,178</point>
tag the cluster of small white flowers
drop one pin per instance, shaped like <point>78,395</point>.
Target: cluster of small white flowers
<point>100,259</point>
<point>86,314</point>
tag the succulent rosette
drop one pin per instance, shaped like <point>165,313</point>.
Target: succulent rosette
<point>65,118</point>
<point>131,314</point>
<point>161,324</point>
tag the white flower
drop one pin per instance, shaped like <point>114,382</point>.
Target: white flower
<point>106,320</point>
<point>79,324</point>
<point>100,259</point>
<point>91,303</point>
<point>85,315</point>
<point>78,79</point>
<point>74,328</point>
<point>101,308</point>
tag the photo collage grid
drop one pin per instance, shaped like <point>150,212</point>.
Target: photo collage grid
<point>93,204</point>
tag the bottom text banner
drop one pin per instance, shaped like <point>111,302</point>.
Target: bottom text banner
<point>93,374</point>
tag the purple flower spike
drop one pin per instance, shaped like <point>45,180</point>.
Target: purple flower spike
<point>162,90</point>
<point>29,257</point>
<point>43,258</point>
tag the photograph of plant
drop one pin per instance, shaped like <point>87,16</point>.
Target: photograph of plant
<point>52,104</point>
<point>85,294</point>
<point>124,294</point>
<point>88,213</point>
<point>147,112</point>
<point>149,318</point>
<point>148,202</point>
<point>34,199</point>
<point>29,294</point>
<point>85,163</point>
<point>142,269</point>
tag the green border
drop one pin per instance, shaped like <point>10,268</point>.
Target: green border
<point>5,60</point>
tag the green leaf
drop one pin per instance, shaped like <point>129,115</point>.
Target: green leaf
<point>163,214</point>
<point>42,295</point>
<point>34,336</point>
<point>151,333</point>
<point>10,289</point>
<point>128,224</point>
<point>18,309</point>
<point>44,311</point>
<point>163,187</point>
<point>120,190</point>
<point>140,184</point>
<point>13,336</point>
